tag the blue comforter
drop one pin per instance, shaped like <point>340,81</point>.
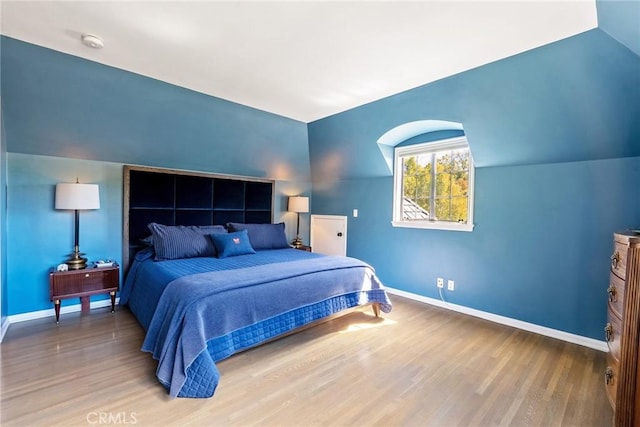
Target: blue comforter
<point>207,316</point>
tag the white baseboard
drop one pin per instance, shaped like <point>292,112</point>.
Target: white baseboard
<point>531,327</point>
<point>23,317</point>
<point>4,326</point>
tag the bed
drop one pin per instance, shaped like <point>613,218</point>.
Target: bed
<point>205,292</point>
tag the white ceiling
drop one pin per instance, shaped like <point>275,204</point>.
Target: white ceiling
<point>304,60</point>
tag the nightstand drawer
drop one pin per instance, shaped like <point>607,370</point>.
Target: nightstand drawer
<point>88,280</point>
<point>83,283</point>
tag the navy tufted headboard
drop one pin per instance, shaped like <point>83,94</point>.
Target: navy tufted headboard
<point>174,197</point>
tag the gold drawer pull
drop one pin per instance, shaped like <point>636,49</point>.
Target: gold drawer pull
<point>615,259</point>
<point>608,331</point>
<point>608,376</point>
<point>612,293</point>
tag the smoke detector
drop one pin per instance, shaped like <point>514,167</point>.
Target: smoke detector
<point>92,41</point>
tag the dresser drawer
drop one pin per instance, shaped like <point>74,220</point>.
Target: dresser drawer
<point>615,294</point>
<point>613,333</point>
<point>619,259</point>
<point>611,379</point>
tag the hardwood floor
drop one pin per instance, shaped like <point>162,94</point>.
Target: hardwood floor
<point>417,366</point>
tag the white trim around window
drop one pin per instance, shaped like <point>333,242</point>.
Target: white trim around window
<point>399,202</point>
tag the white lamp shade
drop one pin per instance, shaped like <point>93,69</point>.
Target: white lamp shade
<point>77,196</point>
<point>298,204</point>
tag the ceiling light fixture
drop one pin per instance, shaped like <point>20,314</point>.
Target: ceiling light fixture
<point>92,41</point>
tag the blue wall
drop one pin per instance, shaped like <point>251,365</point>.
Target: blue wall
<point>576,99</point>
<point>4,307</point>
<point>68,117</point>
<point>555,134</point>
<point>620,18</point>
<point>60,105</point>
<point>40,237</point>
<point>539,252</point>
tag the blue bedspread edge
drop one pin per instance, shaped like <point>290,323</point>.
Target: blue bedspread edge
<point>203,376</point>
<point>195,374</point>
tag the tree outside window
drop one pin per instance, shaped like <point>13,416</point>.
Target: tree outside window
<point>433,185</point>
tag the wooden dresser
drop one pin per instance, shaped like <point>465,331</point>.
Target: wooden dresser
<point>622,331</point>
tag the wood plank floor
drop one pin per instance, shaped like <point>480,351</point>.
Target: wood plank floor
<point>417,366</point>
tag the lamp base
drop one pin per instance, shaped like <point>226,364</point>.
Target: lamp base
<point>76,261</point>
<point>297,242</point>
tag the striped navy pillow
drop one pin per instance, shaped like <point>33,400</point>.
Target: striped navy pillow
<point>263,236</point>
<point>174,242</point>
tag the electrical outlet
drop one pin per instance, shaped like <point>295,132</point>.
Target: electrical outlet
<point>440,282</point>
<point>450,285</point>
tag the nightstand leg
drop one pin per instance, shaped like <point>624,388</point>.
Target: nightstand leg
<point>85,304</point>
<point>56,306</point>
<point>113,301</point>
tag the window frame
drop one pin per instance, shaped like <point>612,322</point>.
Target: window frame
<point>430,148</point>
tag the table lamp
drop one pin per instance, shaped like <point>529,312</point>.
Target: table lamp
<point>298,204</point>
<point>77,197</point>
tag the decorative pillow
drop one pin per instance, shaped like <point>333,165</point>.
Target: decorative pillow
<point>232,244</point>
<point>210,229</point>
<point>174,242</point>
<point>263,236</point>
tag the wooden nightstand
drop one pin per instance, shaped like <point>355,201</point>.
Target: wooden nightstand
<point>83,283</point>
<point>304,248</point>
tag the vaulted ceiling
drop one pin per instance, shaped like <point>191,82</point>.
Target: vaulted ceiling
<point>304,60</point>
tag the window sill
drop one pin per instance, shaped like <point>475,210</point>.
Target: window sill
<point>433,225</point>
